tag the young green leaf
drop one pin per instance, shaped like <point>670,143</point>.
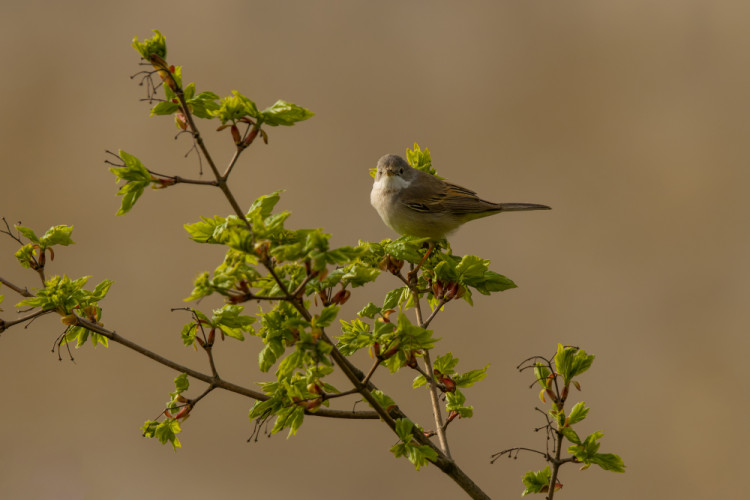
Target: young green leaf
<point>28,233</point>
<point>571,362</point>
<point>421,160</point>
<point>154,45</point>
<point>235,107</point>
<point>369,311</point>
<point>577,413</point>
<point>166,432</point>
<point>165,108</point>
<point>181,384</point>
<point>137,179</point>
<point>471,377</point>
<point>285,113</point>
<point>537,482</point>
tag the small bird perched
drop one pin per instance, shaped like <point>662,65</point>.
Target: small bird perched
<point>415,203</point>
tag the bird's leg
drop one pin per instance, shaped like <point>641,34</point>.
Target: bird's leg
<point>412,275</point>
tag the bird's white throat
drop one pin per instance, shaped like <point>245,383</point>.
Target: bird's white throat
<point>390,184</point>
<point>383,194</point>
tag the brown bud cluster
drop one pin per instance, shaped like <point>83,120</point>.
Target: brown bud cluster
<point>391,264</point>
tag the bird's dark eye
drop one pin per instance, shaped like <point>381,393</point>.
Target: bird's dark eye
<point>401,170</point>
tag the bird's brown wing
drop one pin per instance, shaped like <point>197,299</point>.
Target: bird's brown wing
<point>432,195</point>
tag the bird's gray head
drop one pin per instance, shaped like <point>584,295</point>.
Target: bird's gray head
<point>393,165</point>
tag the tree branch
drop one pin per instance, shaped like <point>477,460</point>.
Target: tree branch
<point>24,292</point>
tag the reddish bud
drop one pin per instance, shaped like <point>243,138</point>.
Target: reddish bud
<point>236,134</point>
<point>312,387</point>
<point>183,412</point>
<point>250,137</point>
<point>313,405</point>
<point>411,360</point>
<point>552,395</point>
<point>180,120</point>
<point>341,297</point>
<point>69,319</point>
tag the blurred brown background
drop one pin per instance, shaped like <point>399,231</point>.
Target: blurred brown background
<point>628,117</point>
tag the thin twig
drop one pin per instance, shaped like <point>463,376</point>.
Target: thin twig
<point>436,407</point>
<point>21,291</point>
<point>434,398</point>
<point>4,325</point>
<point>371,372</point>
<point>218,382</point>
<point>440,305</point>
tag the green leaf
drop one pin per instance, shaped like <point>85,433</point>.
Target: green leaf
<point>609,461</point>
<point>419,455</point>
<point>326,316</point>
<point>28,233</point>
<point>166,432</point>
<point>355,335</point>
<point>537,482</point>
<point>285,113</point>
<point>384,400</point>
<point>137,179</point>
<point>181,384</point>
<point>419,381</point>
<point>25,255</point>
<point>57,235</point>
<point>577,413</point>
<point>408,248</point>
<point>234,108</point>
<point>369,311</point>
<point>403,429</point>
<point>570,435</point>
<point>100,291</point>
<point>541,372</point>
<point>455,401</point>
<point>231,322</point>
<point>154,45</point>
<point>587,452</point>
<point>204,104</point>
<point>421,160</point>
<point>165,108</point>
<point>471,377</point>
<point>396,297</point>
<point>446,363</point>
<point>571,362</point>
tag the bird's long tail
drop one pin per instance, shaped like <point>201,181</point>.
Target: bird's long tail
<point>517,207</point>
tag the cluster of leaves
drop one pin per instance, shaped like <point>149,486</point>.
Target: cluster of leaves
<point>178,409</point>
<point>61,294</point>
<point>555,379</point>
<point>292,270</point>
<point>184,103</point>
<point>33,255</point>
<point>419,455</point>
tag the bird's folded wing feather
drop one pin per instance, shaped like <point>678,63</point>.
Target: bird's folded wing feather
<point>441,197</point>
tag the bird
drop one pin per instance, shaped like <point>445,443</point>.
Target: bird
<point>415,203</point>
